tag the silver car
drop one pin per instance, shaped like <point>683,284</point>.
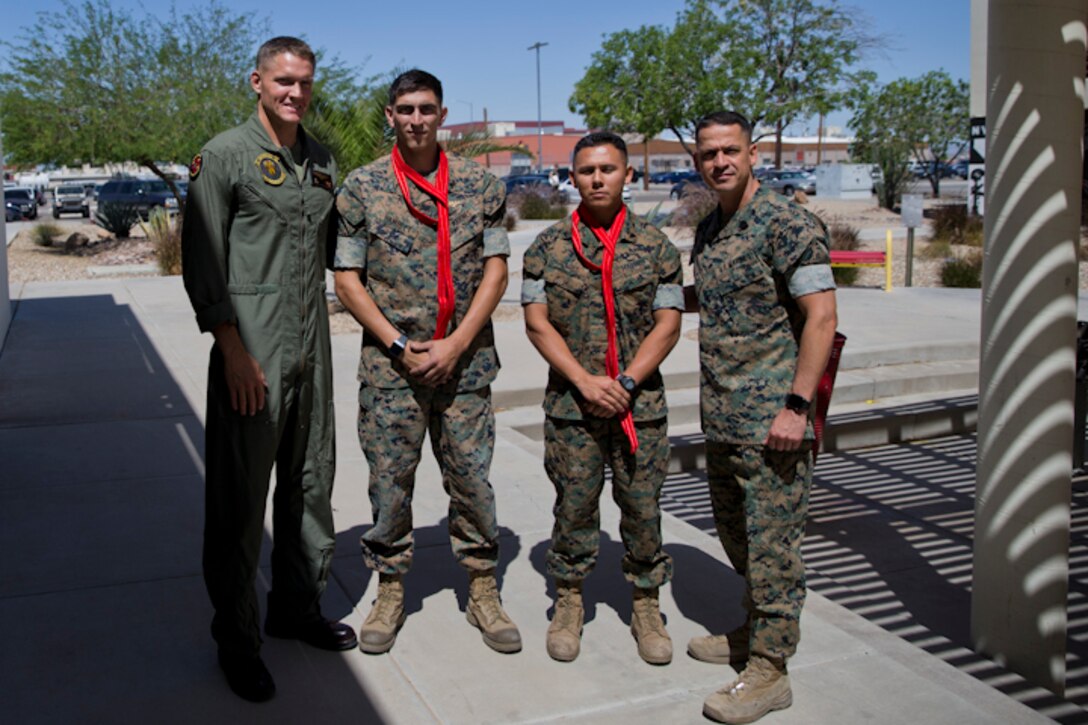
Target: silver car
<point>788,181</point>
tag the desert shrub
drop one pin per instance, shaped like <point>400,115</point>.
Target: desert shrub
<point>963,271</point>
<point>935,250</point>
<point>43,233</point>
<point>165,234</point>
<point>696,201</point>
<point>537,202</point>
<point>510,222</point>
<point>952,224</point>
<point>844,238</point>
<point>117,218</point>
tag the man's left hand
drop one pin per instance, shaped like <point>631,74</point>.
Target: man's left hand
<point>442,356</point>
<point>787,431</point>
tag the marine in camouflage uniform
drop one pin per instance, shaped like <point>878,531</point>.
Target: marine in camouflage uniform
<point>378,235</point>
<point>603,296</point>
<point>765,297</point>
<point>386,261</point>
<point>646,277</point>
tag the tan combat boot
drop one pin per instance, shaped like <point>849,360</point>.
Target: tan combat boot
<point>484,611</point>
<point>565,631</point>
<point>379,631</point>
<point>721,649</point>
<point>654,644</point>
<point>763,686</point>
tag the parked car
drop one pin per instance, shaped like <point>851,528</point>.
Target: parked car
<point>960,168</point>
<point>71,199</point>
<point>518,181</point>
<point>788,181</point>
<point>11,212</point>
<point>684,185</point>
<point>23,200</point>
<point>144,194</point>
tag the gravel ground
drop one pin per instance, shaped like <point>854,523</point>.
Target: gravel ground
<point>29,262</point>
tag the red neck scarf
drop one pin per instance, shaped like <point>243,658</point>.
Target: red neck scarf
<point>608,239</point>
<point>439,191</point>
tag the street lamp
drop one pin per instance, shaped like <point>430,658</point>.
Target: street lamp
<point>471,115</point>
<point>539,124</point>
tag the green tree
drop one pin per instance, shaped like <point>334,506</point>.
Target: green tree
<point>941,121</point>
<point>773,60</point>
<point>626,87</point>
<point>882,135</point>
<point>95,84</point>
<point>798,55</point>
<point>907,120</point>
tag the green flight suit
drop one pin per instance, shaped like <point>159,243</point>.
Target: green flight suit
<point>254,253</point>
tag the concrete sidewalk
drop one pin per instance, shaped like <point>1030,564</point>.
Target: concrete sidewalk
<point>103,612</point>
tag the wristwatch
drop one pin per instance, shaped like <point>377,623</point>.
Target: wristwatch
<point>627,383</point>
<point>797,404</point>
<point>397,348</point>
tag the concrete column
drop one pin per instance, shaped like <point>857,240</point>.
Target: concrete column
<point>5,294</point>
<point>1035,106</point>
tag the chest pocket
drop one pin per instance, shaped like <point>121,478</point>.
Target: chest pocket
<point>635,286</point>
<point>740,294</point>
<point>566,310</point>
<point>254,201</point>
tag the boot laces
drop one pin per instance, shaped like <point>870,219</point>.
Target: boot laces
<point>385,608</point>
<point>486,596</point>
<point>566,611</point>
<point>650,615</point>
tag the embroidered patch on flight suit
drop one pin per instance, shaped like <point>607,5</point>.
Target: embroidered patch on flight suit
<point>323,180</point>
<point>195,166</point>
<point>271,169</point>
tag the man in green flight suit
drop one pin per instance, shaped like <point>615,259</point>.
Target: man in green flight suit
<point>766,301</point>
<point>254,246</point>
<point>421,264</point>
<point>603,296</point>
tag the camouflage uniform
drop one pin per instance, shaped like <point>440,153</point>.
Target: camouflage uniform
<point>397,254</point>
<point>749,270</point>
<point>254,245</point>
<point>646,277</point>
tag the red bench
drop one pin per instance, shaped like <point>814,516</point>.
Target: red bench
<point>867,258</point>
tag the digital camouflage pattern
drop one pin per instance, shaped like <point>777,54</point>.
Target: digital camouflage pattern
<point>749,325</point>
<point>760,501</point>
<point>575,454</point>
<point>392,424</point>
<point>254,255</point>
<point>645,262</point>
<point>398,256</point>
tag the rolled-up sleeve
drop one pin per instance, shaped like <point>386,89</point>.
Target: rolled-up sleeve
<point>532,275</point>
<point>670,277</point>
<point>496,240</point>
<point>811,278</point>
<point>204,235</point>
<point>351,233</point>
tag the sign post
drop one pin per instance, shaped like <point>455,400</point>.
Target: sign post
<point>911,213</point>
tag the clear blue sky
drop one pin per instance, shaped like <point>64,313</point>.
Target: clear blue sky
<point>479,49</point>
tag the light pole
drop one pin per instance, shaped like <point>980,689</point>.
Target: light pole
<point>539,124</point>
<point>471,115</point>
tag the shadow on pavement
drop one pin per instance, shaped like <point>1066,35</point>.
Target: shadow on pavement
<point>103,612</point>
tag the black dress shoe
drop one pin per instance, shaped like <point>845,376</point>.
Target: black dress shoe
<point>320,633</point>
<point>247,677</point>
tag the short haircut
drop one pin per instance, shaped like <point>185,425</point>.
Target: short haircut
<point>724,118</point>
<point>599,138</point>
<point>414,80</point>
<point>285,44</point>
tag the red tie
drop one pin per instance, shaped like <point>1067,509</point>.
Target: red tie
<point>439,191</point>
<point>608,239</point>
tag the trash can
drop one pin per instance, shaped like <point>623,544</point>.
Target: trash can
<point>1080,395</point>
